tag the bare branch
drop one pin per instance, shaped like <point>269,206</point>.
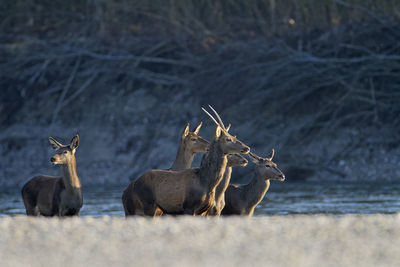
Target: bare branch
<point>361,8</point>
<point>65,91</point>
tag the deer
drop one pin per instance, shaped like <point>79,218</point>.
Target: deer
<point>190,144</point>
<point>242,199</point>
<point>190,191</point>
<point>219,199</point>
<point>56,196</point>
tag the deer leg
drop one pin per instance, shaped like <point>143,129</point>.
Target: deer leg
<point>141,206</point>
<point>144,196</point>
<point>158,211</point>
<point>30,211</point>
<point>188,207</point>
<point>188,211</point>
<point>135,206</point>
<point>130,205</point>
<point>30,204</point>
<point>192,201</point>
<point>150,210</point>
<point>212,211</point>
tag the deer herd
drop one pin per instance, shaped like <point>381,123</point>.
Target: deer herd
<point>180,190</point>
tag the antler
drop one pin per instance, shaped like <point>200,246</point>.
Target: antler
<point>219,118</point>
<point>272,155</point>
<point>260,158</point>
<point>254,156</point>
<point>214,120</point>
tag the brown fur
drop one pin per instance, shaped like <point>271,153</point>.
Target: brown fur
<point>242,199</point>
<point>190,144</point>
<point>188,191</point>
<point>55,196</point>
<point>219,201</point>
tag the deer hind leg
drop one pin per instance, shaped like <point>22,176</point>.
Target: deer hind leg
<point>144,200</point>
<point>127,212</point>
<point>129,204</point>
<point>150,209</point>
<point>135,205</point>
<point>198,204</point>
<point>143,208</point>
<point>30,203</point>
<point>149,206</point>
<point>31,210</point>
<point>188,208</point>
<point>158,212</point>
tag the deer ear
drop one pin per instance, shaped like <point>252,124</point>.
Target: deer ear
<point>186,131</point>
<point>54,143</point>
<point>74,143</point>
<point>218,132</point>
<point>196,131</point>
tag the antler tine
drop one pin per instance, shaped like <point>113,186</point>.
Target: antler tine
<point>272,155</point>
<point>214,120</point>
<point>219,118</point>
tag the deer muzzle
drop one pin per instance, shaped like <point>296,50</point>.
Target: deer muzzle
<point>245,150</point>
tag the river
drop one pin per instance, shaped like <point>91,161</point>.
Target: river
<point>282,198</point>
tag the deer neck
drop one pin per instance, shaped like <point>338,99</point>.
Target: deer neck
<point>223,185</point>
<point>212,167</point>
<point>255,191</point>
<point>69,175</point>
<point>183,160</point>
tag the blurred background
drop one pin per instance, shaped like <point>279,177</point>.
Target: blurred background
<point>317,80</point>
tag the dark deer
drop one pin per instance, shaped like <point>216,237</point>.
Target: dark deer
<point>219,200</point>
<point>242,199</point>
<point>56,196</point>
<point>190,144</point>
<point>188,191</point>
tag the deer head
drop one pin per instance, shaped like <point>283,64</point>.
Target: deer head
<point>267,168</point>
<point>193,142</point>
<point>64,153</point>
<point>229,143</point>
<point>236,160</point>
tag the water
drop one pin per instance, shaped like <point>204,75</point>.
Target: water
<point>281,198</point>
<point>330,198</point>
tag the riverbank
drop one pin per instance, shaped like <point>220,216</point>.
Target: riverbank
<point>350,240</point>
<point>315,80</point>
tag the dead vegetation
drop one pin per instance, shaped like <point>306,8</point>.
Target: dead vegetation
<point>304,69</point>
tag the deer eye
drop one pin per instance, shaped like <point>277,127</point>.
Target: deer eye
<point>228,139</point>
<point>65,152</point>
<point>267,166</point>
<point>193,139</point>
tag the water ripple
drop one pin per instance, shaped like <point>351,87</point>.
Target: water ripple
<point>282,198</point>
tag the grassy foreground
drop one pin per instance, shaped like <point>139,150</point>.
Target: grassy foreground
<point>351,240</point>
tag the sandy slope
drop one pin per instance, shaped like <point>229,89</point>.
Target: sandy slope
<point>367,240</point>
